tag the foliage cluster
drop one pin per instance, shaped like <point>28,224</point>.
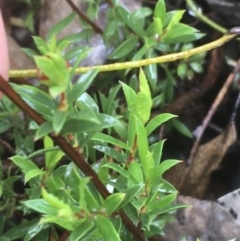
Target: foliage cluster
<point>111,136</point>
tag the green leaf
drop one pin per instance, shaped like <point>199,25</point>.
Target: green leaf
<point>182,128</point>
<point>18,231</point>
<point>64,209</point>
<point>37,231</point>
<point>145,156</point>
<point>155,28</point>
<point>73,179</point>
<point>125,48</point>
<point>143,99</point>
<point>29,52</point>
<point>165,165</point>
<point>132,130</point>
<point>109,139</point>
<point>55,184</point>
<point>86,102</point>
<point>116,155</point>
<point>117,168</point>
<point>111,100</point>
<point>63,222</point>
<point>44,130</point>
<point>181,70</point>
<point>157,121</point>
<point>117,222</point>
<point>85,227</point>
<point>24,164</point>
<point>181,33</point>
<point>82,187</point>
<point>54,158</point>
<point>135,170</point>
<point>76,54</point>
<point>40,44</point>
<point>131,193</point>
<point>112,202</point>
<point>59,120</point>
<point>163,202</point>
<point>196,67</point>
<point>81,86</point>
<point>139,55</point>
<point>151,70</point>
<point>79,126</point>
<point>31,174</point>
<point>49,156</point>
<point>156,149</point>
<point>37,99</point>
<point>40,206</point>
<point>61,25</point>
<point>130,21</point>
<point>167,209</point>
<point>160,10</point>
<point>175,19</point>
<point>54,67</point>
<point>130,96</point>
<point>106,229</point>
<point>142,13</point>
<point>110,29</point>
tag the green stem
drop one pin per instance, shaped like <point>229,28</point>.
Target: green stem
<point>205,19</point>
<point>231,34</point>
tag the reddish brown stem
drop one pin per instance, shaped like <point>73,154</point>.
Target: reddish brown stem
<point>85,17</point>
<point>75,156</point>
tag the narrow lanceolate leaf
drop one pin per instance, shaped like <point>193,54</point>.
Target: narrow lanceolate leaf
<point>84,228</point>
<point>63,222</point>
<point>126,47</point>
<point>143,103</point>
<point>182,128</point>
<point>109,139</point>
<point>116,155</point>
<point>32,173</point>
<point>81,86</point>
<point>160,10</point>
<point>156,149</point>
<point>117,168</point>
<point>145,156</point>
<point>106,229</point>
<point>61,25</point>
<point>176,18</point>
<point>157,121</point>
<point>64,208</point>
<point>59,119</point>
<point>112,202</point>
<point>130,21</point>
<point>164,166</point>
<point>135,170</point>
<point>44,130</point>
<point>130,96</point>
<point>41,206</point>
<point>24,164</point>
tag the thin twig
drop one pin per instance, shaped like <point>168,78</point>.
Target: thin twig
<point>232,34</point>
<point>96,28</point>
<point>7,146</point>
<point>237,103</point>
<point>211,112</point>
<point>75,156</point>
<point>208,21</point>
